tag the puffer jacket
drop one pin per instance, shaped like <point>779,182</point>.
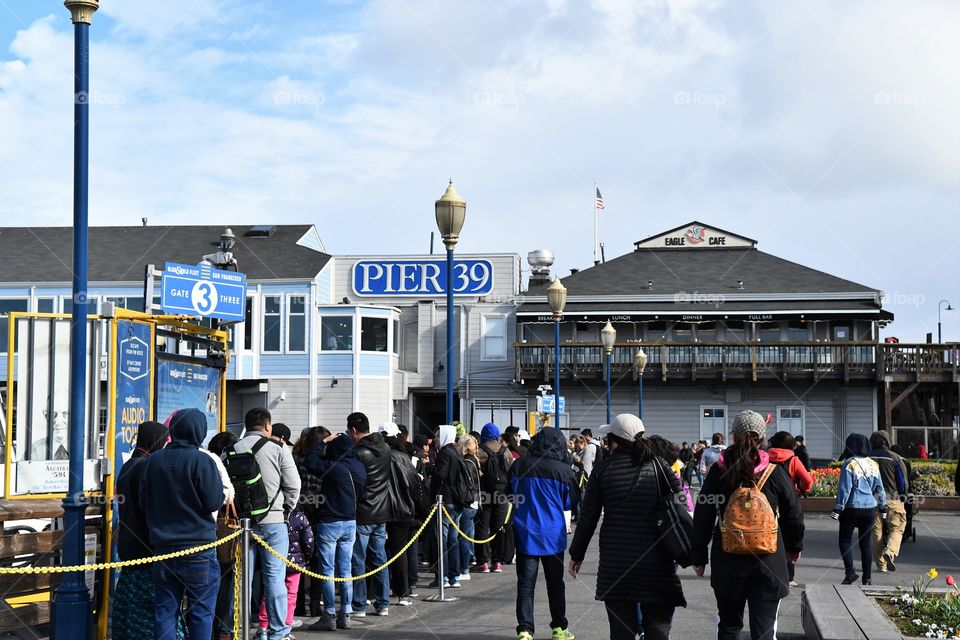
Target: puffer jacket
<point>631,567</point>
<point>375,504</point>
<point>301,539</point>
<point>731,573</point>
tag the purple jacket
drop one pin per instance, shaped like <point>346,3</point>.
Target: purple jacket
<point>301,539</point>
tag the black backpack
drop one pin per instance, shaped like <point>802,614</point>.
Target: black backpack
<point>463,490</point>
<point>494,478</point>
<point>250,493</point>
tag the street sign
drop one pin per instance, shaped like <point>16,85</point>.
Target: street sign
<point>203,291</point>
<point>545,404</point>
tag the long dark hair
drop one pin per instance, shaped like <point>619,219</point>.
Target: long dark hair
<point>310,438</point>
<point>664,448</point>
<point>741,458</point>
<point>639,448</point>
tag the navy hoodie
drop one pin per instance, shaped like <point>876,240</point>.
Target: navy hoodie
<point>342,478</point>
<point>181,487</point>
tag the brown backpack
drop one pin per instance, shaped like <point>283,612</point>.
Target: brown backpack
<point>749,525</point>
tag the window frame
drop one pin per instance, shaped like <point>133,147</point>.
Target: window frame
<point>484,354</point>
<point>342,316</point>
<point>6,316</point>
<point>726,420</point>
<point>263,322</point>
<point>803,419</point>
<point>386,321</point>
<point>288,314</point>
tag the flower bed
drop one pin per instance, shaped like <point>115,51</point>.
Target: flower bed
<point>927,478</point>
<point>923,613</point>
<point>825,483</point>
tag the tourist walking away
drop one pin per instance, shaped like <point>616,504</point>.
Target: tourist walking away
<point>737,511</point>
<point>801,450</point>
<point>450,479</point>
<point>223,612</point>
<point>267,501</point>
<point>591,452</point>
<point>626,488</point>
<point>405,489</point>
<point>180,490</point>
<point>300,548</point>
<point>495,460</point>
<point>468,446</point>
<point>343,478</point>
<point>783,454</point>
<point>373,513</point>
<point>887,534</point>
<point>132,614</point>
<point>670,453</point>
<point>540,487</point>
<point>859,495</point>
<point>711,454</point>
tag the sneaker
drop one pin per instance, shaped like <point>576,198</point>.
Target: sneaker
<point>866,582</point>
<point>436,584</point>
<point>889,558</point>
<point>465,576</point>
<point>297,623</point>
<point>455,583</point>
<point>794,583</point>
<point>343,621</point>
<point>497,567</point>
<point>382,612</point>
<point>413,593</point>
<point>482,568</point>
<point>562,634</point>
<point>326,622</point>
<point>404,602</point>
<point>524,635</point>
<point>359,614</point>
<point>850,579</point>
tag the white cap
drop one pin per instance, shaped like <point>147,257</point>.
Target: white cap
<point>389,429</point>
<point>524,435</point>
<point>626,426</point>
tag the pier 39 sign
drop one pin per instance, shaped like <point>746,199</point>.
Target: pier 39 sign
<point>421,277</point>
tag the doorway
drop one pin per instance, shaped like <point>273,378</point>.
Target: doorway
<point>430,411</point>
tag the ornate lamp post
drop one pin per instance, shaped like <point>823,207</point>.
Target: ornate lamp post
<point>639,364</point>
<point>608,337</point>
<point>71,600</point>
<point>939,326</point>
<point>557,298</point>
<point>451,210</point>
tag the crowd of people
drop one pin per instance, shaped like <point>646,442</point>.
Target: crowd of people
<point>342,504</point>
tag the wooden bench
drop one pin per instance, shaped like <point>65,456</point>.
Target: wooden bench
<point>844,612</point>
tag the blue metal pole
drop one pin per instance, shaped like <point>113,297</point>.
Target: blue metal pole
<point>71,601</point>
<point>608,388</point>
<point>449,335</point>
<point>556,373</point>
<point>640,378</point>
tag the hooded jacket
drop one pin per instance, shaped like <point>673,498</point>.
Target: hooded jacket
<point>490,445</point>
<point>710,456</point>
<point>792,464</point>
<point>732,573</point>
<point>447,463</point>
<point>133,536</point>
<point>375,505</point>
<point>893,472</point>
<point>860,486</point>
<point>181,487</point>
<point>541,485</point>
<point>343,479</point>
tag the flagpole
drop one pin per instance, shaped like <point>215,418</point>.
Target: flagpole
<point>595,240</point>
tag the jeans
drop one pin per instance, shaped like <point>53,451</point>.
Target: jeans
<point>195,577</point>
<point>862,520</point>
<point>335,542</point>
<point>371,543</point>
<point>763,614</point>
<point>623,618</point>
<point>451,543</point>
<point>895,525</point>
<point>489,521</point>
<point>527,567</point>
<point>273,575</point>
<point>223,622</point>
<point>468,526</point>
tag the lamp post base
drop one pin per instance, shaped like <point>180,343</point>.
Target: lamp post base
<point>72,606</point>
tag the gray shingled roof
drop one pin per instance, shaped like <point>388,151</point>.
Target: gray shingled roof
<point>119,254</point>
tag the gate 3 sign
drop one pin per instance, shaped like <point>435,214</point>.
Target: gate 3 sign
<point>421,277</point>
<point>203,291</point>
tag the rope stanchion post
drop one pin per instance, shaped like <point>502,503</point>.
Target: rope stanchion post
<point>440,596</point>
<point>245,577</point>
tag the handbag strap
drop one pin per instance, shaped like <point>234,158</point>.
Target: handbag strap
<point>232,508</point>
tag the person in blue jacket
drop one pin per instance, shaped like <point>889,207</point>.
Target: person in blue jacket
<point>180,491</point>
<point>859,494</point>
<point>541,485</point>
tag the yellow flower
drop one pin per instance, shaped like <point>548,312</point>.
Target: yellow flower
<point>932,574</point>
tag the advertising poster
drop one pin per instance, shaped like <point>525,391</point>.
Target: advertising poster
<point>133,386</point>
<point>182,385</point>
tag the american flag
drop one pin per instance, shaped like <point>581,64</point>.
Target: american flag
<point>599,204</point>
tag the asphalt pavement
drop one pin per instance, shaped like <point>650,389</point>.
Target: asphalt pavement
<point>485,608</point>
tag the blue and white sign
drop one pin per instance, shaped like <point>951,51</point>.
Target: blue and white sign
<point>545,404</point>
<point>203,291</point>
<point>421,277</point>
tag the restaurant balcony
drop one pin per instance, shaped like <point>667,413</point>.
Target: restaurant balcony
<point>750,362</point>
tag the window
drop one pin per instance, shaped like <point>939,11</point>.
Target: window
<point>271,324</point>
<point>712,420</point>
<point>6,306</point>
<point>396,336</point>
<point>790,419</point>
<point>67,304</point>
<point>493,334</point>
<point>46,305</point>
<point>373,334</point>
<point>336,333</point>
<point>841,334</point>
<point>296,324</point>
<point>248,325</point>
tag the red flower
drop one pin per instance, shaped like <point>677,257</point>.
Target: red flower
<point>950,581</point>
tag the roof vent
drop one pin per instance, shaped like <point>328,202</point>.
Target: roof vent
<point>574,271</point>
<point>261,231</point>
<point>540,261</point>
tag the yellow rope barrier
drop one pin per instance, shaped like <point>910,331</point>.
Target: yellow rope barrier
<point>485,540</point>
<point>118,565</point>
<point>317,576</point>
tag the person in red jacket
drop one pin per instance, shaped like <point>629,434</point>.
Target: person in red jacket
<point>782,454</point>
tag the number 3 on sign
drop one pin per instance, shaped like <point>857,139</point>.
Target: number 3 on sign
<point>204,298</point>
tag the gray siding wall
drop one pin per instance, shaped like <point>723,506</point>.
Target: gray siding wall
<point>294,411</point>
<point>375,400</point>
<point>334,404</point>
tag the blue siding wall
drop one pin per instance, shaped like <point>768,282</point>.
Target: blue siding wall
<point>325,286</point>
<point>335,364</point>
<point>374,364</point>
<point>285,365</point>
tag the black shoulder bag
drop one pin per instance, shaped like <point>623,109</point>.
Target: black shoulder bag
<point>674,522</point>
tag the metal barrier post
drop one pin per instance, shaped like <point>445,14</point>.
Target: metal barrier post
<point>247,582</point>
<point>440,596</point>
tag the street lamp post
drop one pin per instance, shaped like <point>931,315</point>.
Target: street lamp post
<point>608,336</point>
<point>557,298</point>
<point>71,600</point>
<point>639,364</point>
<point>451,210</point>
<point>939,327</point>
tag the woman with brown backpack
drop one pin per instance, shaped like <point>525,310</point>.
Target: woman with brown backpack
<point>737,510</point>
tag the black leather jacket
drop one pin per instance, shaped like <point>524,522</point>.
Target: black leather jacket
<point>375,505</point>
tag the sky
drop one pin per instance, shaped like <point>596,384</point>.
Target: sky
<point>826,130</point>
